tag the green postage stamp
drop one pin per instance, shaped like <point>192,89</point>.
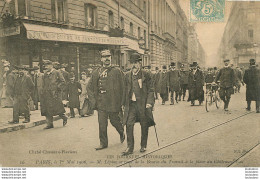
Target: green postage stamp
<point>207,10</point>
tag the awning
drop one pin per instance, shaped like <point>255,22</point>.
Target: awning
<point>40,32</point>
<point>132,45</point>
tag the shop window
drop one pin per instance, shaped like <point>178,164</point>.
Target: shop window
<point>131,28</point>
<point>111,19</point>
<point>139,33</point>
<point>90,15</point>
<point>122,21</point>
<point>250,33</point>
<point>59,10</point>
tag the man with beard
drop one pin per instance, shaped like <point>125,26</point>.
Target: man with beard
<point>23,87</point>
<point>106,91</point>
<point>196,83</point>
<point>139,101</point>
<point>174,82</point>
<point>164,85</point>
<point>227,78</point>
<point>252,81</point>
<point>51,102</point>
<point>183,82</point>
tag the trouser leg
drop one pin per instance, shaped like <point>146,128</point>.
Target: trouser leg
<point>102,121</point>
<point>144,135</point>
<point>16,110</point>
<point>79,111</point>
<point>130,126</point>
<point>26,108</point>
<point>116,123</point>
<point>49,120</point>
<point>257,103</point>
<point>248,105</point>
<point>72,113</point>
<point>171,93</point>
<point>176,96</point>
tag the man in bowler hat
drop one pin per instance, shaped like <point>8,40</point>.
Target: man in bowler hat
<point>106,91</point>
<point>252,81</point>
<point>174,82</point>
<point>138,103</point>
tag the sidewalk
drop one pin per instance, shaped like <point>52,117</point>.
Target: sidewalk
<point>6,114</point>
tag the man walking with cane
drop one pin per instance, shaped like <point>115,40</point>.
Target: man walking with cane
<point>139,101</point>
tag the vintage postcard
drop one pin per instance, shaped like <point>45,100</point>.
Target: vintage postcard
<point>129,83</point>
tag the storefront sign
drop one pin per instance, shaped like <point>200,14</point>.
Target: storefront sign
<point>9,31</point>
<point>52,36</point>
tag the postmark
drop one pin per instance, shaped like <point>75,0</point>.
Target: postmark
<point>207,10</point>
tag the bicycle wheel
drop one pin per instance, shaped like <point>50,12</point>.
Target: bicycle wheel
<point>208,102</point>
<point>218,101</point>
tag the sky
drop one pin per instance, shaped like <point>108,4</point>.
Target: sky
<point>209,34</point>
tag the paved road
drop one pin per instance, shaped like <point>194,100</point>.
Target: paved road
<point>181,125</point>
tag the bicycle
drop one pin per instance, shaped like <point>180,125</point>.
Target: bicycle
<point>212,96</point>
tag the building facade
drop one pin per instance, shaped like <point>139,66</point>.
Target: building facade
<point>72,32</point>
<point>241,38</point>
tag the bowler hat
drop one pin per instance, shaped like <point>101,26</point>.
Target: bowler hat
<point>135,57</point>
<point>226,60</point>
<point>164,67</point>
<point>252,60</point>
<point>173,64</point>
<point>194,64</point>
<point>156,68</point>
<point>105,52</point>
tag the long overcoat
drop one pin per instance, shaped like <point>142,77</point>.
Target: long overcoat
<point>73,94</point>
<point>174,80</point>
<point>147,97</point>
<point>163,83</point>
<point>196,83</point>
<point>252,81</point>
<point>51,103</point>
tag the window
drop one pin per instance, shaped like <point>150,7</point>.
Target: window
<point>251,33</point>
<point>21,8</point>
<point>111,19</point>
<point>59,10</point>
<point>90,15</point>
<point>131,28</point>
<point>145,36</point>
<point>122,22</point>
<point>139,33</point>
<point>144,7</point>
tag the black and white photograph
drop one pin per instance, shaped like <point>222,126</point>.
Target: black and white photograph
<point>129,83</point>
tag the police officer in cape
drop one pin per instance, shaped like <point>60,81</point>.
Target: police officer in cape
<point>252,81</point>
<point>138,103</point>
<point>106,91</point>
<point>51,103</point>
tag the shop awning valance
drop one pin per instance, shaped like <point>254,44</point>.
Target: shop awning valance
<point>40,32</point>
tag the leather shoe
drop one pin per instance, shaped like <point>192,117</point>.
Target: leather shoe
<point>13,122</point>
<point>142,150</point>
<point>48,127</point>
<point>26,121</point>
<point>257,111</point>
<point>248,109</point>
<point>127,152</point>
<point>122,138</point>
<point>100,147</point>
<point>65,120</point>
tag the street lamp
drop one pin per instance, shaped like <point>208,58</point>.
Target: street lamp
<point>141,42</point>
<point>255,46</point>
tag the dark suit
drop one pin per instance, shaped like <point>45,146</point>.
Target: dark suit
<point>139,92</point>
<point>196,82</point>
<point>164,85</point>
<point>106,91</point>
<point>174,83</point>
<point>23,87</point>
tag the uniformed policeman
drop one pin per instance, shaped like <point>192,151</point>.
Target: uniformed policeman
<point>106,88</point>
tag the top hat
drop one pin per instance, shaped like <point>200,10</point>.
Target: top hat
<point>105,53</point>
<point>252,60</point>
<point>135,57</point>
<point>164,67</point>
<point>194,64</point>
<point>226,60</point>
<point>173,64</point>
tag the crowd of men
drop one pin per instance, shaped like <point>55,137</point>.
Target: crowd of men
<point>122,97</point>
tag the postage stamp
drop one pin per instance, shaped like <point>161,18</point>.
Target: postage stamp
<point>207,10</point>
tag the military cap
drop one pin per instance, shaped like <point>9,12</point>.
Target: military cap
<point>226,60</point>
<point>135,57</point>
<point>173,64</point>
<point>252,60</point>
<point>164,67</point>
<point>105,53</point>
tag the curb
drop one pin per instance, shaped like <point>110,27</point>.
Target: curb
<point>28,125</point>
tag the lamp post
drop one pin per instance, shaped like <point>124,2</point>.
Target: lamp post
<point>141,42</point>
<point>255,46</point>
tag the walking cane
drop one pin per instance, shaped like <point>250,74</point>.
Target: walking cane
<point>156,135</point>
